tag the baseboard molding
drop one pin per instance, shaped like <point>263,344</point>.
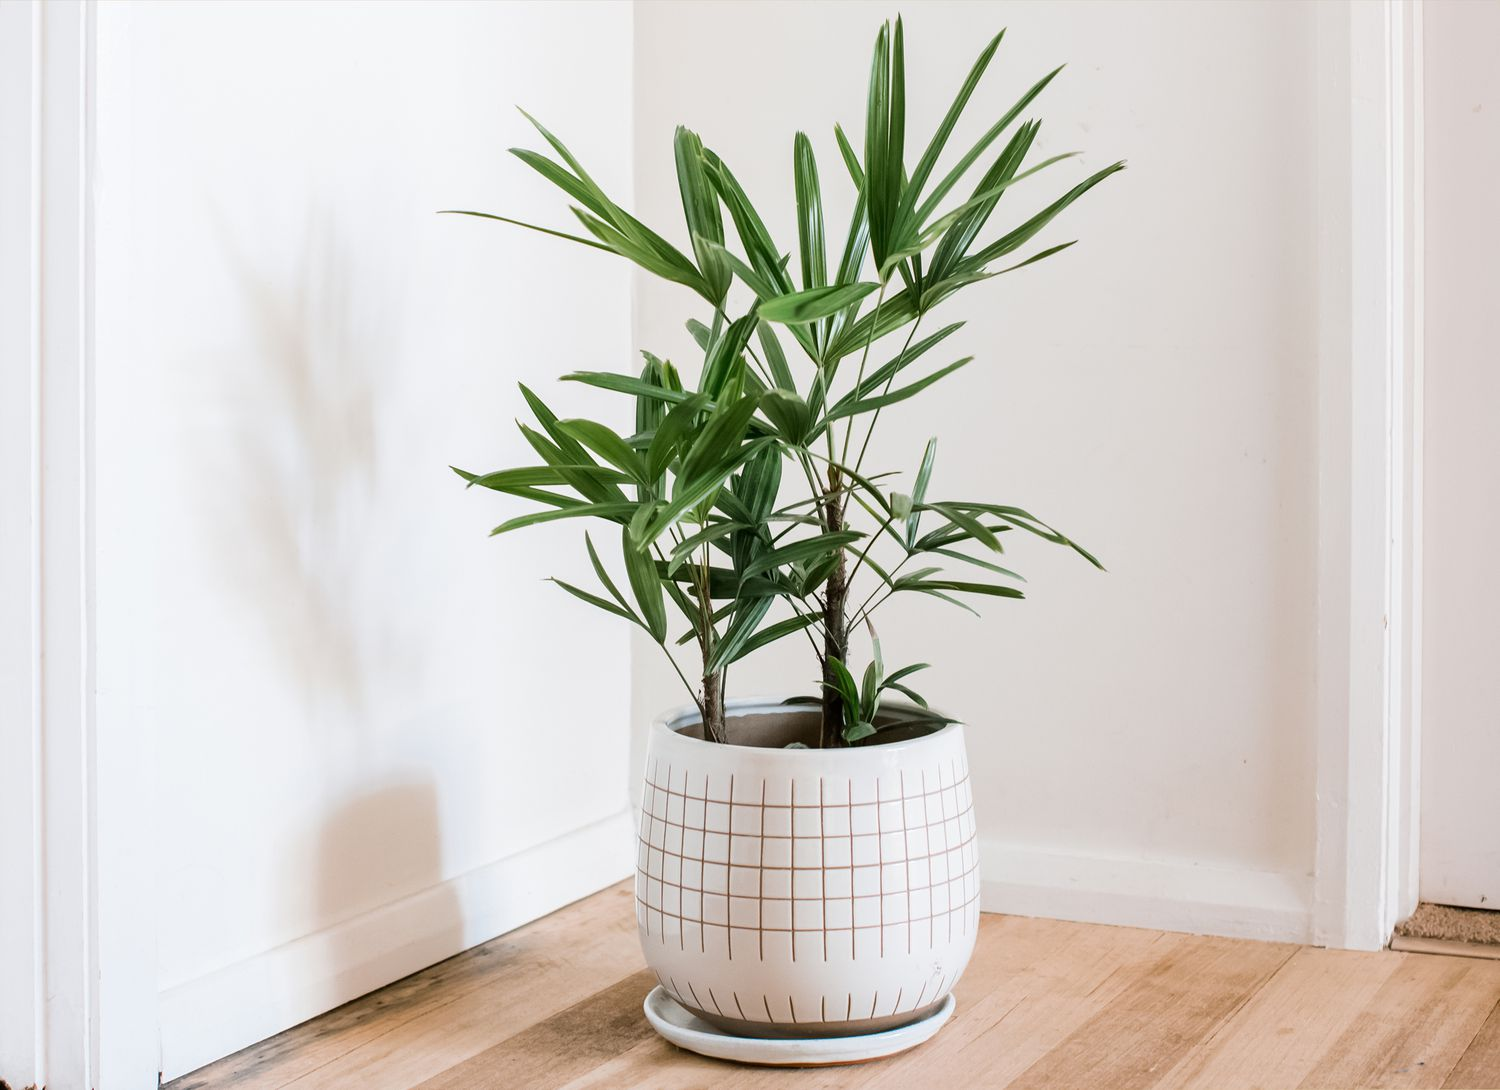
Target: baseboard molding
<point>215,1015</point>
<point>1204,900</point>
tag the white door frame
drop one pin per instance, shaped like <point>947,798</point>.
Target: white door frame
<point>1369,470</point>
<point>77,940</point>
<point>78,990</point>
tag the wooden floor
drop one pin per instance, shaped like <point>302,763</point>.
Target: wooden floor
<point>1043,1004</point>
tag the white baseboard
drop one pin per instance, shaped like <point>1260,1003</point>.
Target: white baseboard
<point>1204,900</point>
<point>214,1015</point>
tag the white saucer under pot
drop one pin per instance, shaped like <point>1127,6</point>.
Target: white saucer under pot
<point>687,1031</point>
<point>805,893</point>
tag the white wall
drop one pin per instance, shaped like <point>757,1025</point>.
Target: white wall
<point>1153,392</point>
<point>1460,856</point>
<point>369,753</point>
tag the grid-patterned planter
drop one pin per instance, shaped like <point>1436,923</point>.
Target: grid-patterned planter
<point>806,892</point>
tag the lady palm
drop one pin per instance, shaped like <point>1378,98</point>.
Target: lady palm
<point>696,491</point>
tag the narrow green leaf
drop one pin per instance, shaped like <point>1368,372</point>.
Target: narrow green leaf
<point>770,347</point>
<point>680,268</point>
<point>723,368</point>
<point>978,562</point>
<point>700,333</point>
<point>1024,520</point>
<point>595,600</point>
<point>869,689</point>
<point>690,495</point>
<point>525,491</point>
<point>609,446</point>
<point>573,187</point>
<point>614,512</point>
<point>1034,258</point>
<point>878,183</point>
<point>985,197</point>
<point>919,491</point>
<point>1028,230</point>
<point>724,431</point>
<point>905,671</point>
<point>714,531</point>
<point>910,694</point>
<point>882,376</point>
<point>939,139</point>
<point>528,226</point>
<point>788,413</point>
<point>700,208</point>
<point>670,433</point>
<point>962,167</point>
<point>893,313</point>
<point>966,588</point>
<point>844,684</point>
<point>806,549</point>
<point>809,214</point>
<point>531,475</point>
<point>952,601</point>
<point>971,524</point>
<point>603,575</point>
<point>762,251</point>
<point>955,243</point>
<point>771,634</point>
<point>640,569</point>
<point>801,307</point>
<point>901,394</point>
<point>759,483</point>
<point>626,384</point>
<point>747,616</point>
<point>564,451</point>
<point>851,160</point>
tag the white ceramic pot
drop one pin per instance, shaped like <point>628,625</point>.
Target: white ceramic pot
<point>805,892</point>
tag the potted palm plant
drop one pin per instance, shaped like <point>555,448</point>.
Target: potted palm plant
<point>807,865</point>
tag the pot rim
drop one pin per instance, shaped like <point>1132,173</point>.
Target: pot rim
<point>668,724</point>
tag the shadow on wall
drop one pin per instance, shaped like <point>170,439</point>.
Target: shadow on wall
<point>296,518</point>
<point>379,885</point>
<point>294,491</point>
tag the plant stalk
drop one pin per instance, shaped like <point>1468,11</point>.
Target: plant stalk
<point>835,634</point>
<point>713,708</point>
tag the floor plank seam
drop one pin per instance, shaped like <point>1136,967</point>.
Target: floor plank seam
<point>1479,1029</point>
<point>982,1034</point>
<point>1230,1016</point>
<point>410,1017</point>
<point>365,1044</point>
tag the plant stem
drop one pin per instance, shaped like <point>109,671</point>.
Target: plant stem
<point>713,683</point>
<point>835,626</point>
<point>835,635</point>
<point>713,708</point>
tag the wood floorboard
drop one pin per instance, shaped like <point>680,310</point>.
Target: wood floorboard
<point>1480,1063</point>
<point>1170,1006</point>
<point>1043,1004</point>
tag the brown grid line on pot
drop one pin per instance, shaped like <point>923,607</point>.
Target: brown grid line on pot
<point>665,814</point>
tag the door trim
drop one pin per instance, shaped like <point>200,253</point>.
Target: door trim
<point>77,930</point>
<point>1369,468</point>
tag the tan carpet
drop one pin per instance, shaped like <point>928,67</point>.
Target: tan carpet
<point>1453,924</point>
